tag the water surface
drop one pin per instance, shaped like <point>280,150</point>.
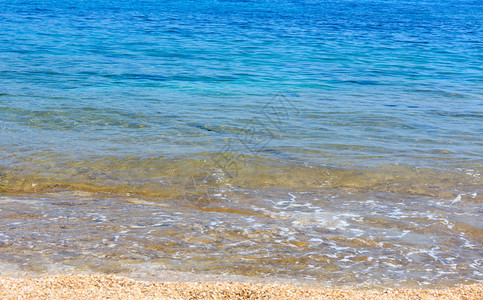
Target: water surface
<point>338,143</point>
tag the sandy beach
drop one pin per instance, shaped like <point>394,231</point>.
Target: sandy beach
<point>116,287</point>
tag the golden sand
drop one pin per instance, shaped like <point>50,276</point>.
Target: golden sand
<point>116,287</point>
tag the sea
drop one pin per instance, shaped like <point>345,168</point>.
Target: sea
<point>333,143</point>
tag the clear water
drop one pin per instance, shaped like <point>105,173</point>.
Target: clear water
<point>335,142</point>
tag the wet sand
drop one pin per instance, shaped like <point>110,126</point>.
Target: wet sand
<point>116,287</point>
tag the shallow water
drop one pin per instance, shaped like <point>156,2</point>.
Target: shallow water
<point>338,143</point>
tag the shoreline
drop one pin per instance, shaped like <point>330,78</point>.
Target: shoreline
<point>82,286</point>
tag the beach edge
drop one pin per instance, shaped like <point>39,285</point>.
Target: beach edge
<point>83,286</point>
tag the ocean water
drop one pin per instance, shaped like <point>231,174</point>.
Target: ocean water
<point>333,142</point>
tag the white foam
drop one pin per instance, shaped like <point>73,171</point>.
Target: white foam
<point>457,199</point>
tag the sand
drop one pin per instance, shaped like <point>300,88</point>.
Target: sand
<point>116,287</point>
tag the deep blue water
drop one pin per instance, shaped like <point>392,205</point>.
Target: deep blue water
<point>393,79</point>
<point>381,98</point>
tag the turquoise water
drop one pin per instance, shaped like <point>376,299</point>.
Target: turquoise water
<point>245,115</point>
